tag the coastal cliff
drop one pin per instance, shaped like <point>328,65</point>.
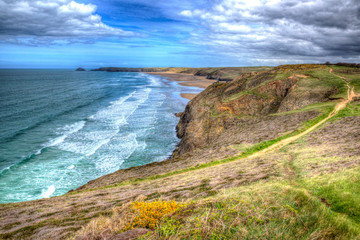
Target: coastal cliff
<point>237,112</point>
<point>270,155</point>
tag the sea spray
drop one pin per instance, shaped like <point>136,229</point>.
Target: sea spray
<point>47,193</point>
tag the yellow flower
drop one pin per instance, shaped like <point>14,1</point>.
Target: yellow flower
<point>148,214</point>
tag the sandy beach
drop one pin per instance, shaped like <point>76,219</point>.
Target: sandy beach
<point>186,80</point>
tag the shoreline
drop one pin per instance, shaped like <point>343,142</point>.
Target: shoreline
<point>185,79</point>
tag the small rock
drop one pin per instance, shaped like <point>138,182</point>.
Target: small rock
<point>179,114</point>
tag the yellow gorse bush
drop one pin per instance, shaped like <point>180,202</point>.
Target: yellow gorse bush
<point>148,214</point>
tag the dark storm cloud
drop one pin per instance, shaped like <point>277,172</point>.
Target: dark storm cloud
<point>27,20</point>
<point>267,29</point>
<point>329,13</point>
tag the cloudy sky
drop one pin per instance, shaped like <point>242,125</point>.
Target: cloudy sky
<point>193,33</point>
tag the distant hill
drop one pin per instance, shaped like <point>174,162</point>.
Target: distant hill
<point>219,73</point>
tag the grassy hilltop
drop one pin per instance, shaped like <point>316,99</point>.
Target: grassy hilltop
<point>273,154</point>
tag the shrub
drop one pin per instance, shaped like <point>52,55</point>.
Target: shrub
<point>148,214</point>
<point>138,214</point>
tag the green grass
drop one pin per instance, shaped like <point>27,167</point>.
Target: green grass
<point>317,82</point>
<point>283,76</point>
<point>341,191</point>
<point>260,211</point>
<point>243,93</point>
<point>352,109</point>
<point>322,107</point>
<point>321,82</point>
<point>235,96</point>
<point>351,74</point>
<point>324,79</point>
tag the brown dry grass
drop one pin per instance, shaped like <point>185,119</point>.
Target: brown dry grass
<point>130,216</point>
<point>332,148</point>
<point>23,220</point>
<point>103,226</point>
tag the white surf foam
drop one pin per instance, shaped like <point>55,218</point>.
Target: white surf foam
<point>7,168</point>
<point>69,129</point>
<point>114,103</point>
<point>155,81</point>
<point>142,145</point>
<point>106,124</point>
<point>99,145</point>
<point>115,153</point>
<point>48,192</point>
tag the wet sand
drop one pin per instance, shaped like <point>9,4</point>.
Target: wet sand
<point>188,95</point>
<point>186,80</point>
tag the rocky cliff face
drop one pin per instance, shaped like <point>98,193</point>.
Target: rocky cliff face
<point>246,110</point>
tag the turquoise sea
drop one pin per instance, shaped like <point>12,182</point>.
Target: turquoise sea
<point>60,129</point>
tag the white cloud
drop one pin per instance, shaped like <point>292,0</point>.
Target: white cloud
<point>52,19</point>
<point>77,8</point>
<point>186,13</point>
<point>234,28</point>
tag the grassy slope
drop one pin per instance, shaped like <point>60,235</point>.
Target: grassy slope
<point>318,80</point>
<point>298,207</point>
<point>229,72</point>
<point>288,194</point>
